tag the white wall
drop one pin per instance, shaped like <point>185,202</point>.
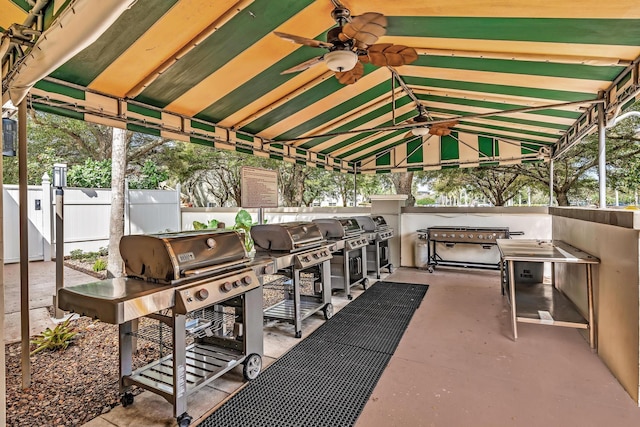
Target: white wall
<point>275,215</point>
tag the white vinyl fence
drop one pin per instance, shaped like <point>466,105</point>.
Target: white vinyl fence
<point>86,218</point>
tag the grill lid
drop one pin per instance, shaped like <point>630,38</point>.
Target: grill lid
<point>372,223</point>
<point>171,256</point>
<point>338,228</point>
<point>286,236</point>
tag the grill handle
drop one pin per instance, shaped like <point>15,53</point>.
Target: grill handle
<point>516,233</point>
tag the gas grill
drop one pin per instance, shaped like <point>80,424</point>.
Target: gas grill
<point>301,258</point>
<point>349,252</point>
<point>202,289</point>
<point>447,238</point>
<point>378,234</point>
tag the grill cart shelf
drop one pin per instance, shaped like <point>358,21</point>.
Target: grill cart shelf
<point>305,292</point>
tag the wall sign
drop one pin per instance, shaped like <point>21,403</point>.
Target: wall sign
<point>259,187</point>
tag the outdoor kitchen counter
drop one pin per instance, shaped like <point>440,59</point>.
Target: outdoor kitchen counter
<point>542,303</point>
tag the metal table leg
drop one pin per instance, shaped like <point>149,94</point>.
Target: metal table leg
<point>297,315</point>
<point>512,297</point>
<point>592,331</point>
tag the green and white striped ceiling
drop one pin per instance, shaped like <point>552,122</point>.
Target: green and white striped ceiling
<point>517,75</point>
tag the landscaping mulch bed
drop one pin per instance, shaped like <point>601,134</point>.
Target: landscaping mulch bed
<point>73,386</point>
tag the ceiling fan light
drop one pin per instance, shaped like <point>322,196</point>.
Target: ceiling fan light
<point>341,60</point>
<point>420,131</point>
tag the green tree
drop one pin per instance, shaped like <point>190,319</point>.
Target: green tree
<point>90,174</point>
<point>497,184</point>
<point>150,177</point>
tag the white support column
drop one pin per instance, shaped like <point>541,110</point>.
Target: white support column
<point>551,182</point>
<point>179,207</point>
<point>47,229</point>
<point>602,159</point>
<point>127,208</point>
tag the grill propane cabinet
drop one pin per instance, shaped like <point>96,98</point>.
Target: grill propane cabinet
<point>349,247</point>
<point>301,257</point>
<point>378,234</point>
<point>205,295</point>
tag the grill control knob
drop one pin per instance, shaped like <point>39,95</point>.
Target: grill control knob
<point>237,283</point>
<point>247,280</point>
<point>305,259</point>
<point>202,294</point>
<point>226,287</point>
<point>316,255</point>
<point>211,242</point>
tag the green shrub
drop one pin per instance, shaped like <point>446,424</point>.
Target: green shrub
<point>99,265</point>
<point>77,254</point>
<point>103,251</point>
<point>57,338</point>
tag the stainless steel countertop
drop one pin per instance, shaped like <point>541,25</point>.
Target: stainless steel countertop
<point>543,250</point>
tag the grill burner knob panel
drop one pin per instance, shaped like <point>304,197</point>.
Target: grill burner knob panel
<point>204,293</point>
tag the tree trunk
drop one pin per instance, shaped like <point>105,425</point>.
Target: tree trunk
<point>116,221</point>
<point>403,181</point>
<point>561,197</point>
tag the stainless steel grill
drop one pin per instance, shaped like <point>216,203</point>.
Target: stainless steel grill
<point>199,285</point>
<point>440,238</point>
<point>300,256</point>
<point>378,234</point>
<point>349,252</point>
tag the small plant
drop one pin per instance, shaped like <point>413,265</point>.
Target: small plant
<point>197,225</point>
<point>57,338</point>
<point>76,254</point>
<point>99,265</point>
<point>103,251</point>
<point>244,223</point>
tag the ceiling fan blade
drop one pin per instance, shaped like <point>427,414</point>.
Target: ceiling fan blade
<point>383,54</point>
<point>351,76</point>
<point>303,40</point>
<point>305,65</point>
<point>365,28</point>
<point>442,129</point>
<point>439,131</point>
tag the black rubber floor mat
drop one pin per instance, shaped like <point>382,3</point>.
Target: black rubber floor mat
<point>327,378</point>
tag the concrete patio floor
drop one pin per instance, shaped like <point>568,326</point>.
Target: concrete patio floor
<point>456,365</point>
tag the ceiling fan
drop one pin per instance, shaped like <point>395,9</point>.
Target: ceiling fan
<point>351,44</point>
<point>438,129</point>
